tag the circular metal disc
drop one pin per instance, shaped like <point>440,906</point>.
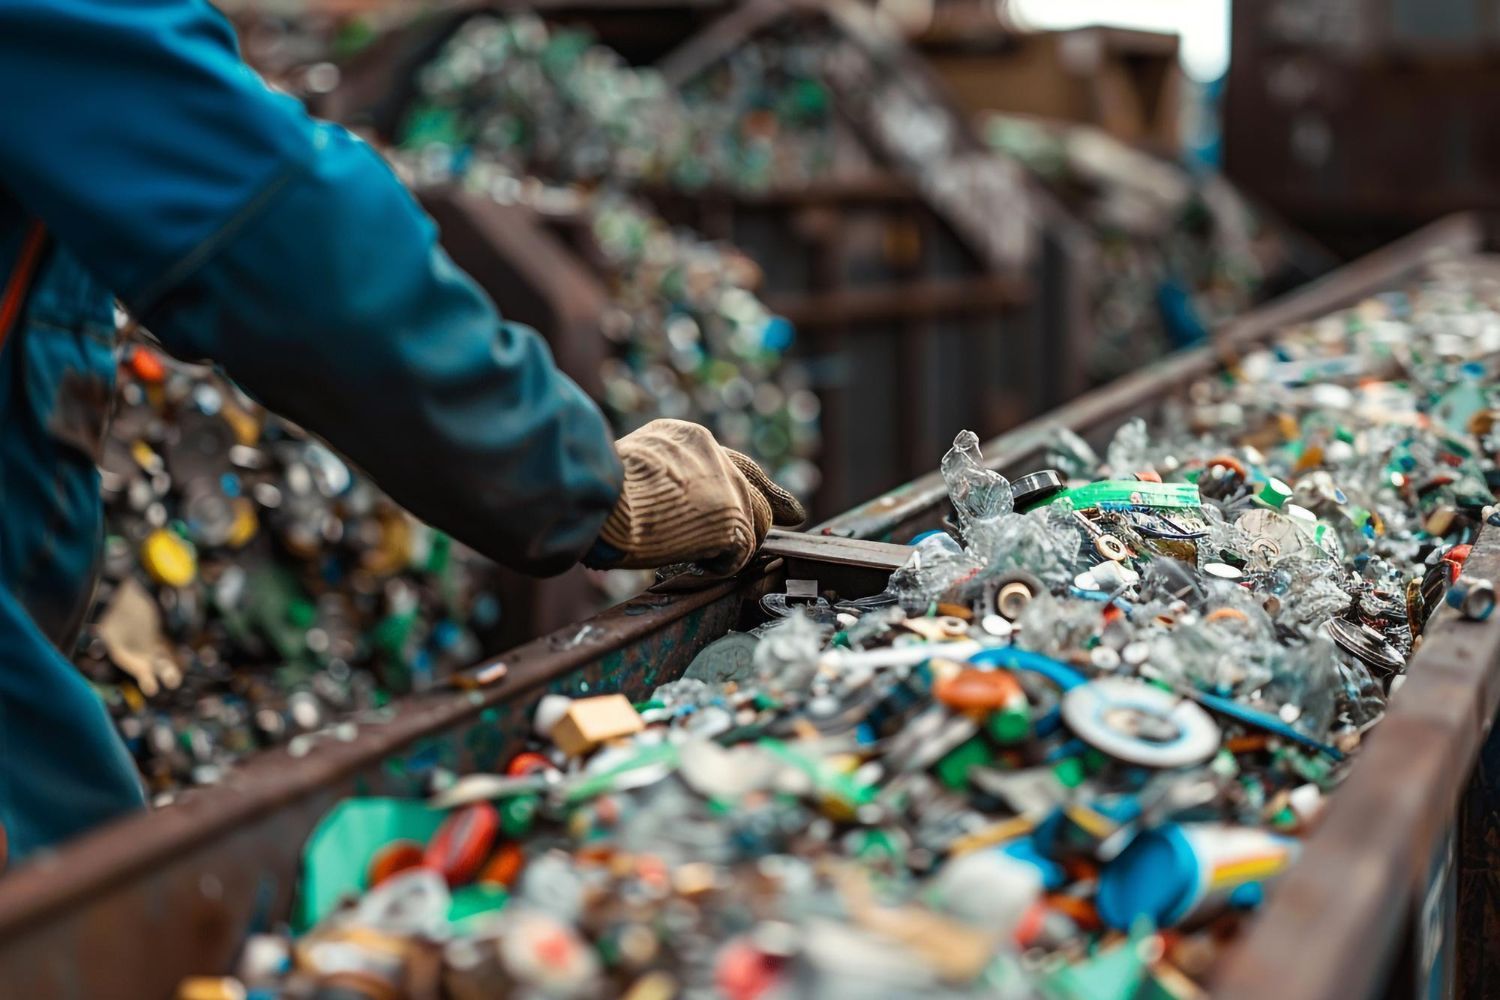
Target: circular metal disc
<point>1111,548</point>
<point>1140,724</point>
<point>1365,643</point>
<point>1222,571</point>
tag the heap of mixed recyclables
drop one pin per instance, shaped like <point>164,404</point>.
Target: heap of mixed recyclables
<point>1058,757</point>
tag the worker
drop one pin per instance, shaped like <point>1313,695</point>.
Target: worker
<point>144,163</point>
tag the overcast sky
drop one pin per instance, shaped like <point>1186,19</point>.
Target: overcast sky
<point>1203,24</point>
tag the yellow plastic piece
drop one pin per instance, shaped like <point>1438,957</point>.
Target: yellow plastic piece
<point>169,559</point>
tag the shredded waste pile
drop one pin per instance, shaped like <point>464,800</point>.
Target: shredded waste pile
<point>255,589</point>
<point>1059,756</point>
<point>554,103</point>
<point>517,111</point>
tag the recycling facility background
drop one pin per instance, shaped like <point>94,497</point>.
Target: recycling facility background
<point>738,243</point>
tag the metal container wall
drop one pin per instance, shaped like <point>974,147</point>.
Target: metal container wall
<point>1359,120</point>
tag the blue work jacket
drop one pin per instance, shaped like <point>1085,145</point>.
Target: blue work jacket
<point>142,161</point>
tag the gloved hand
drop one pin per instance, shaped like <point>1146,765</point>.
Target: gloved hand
<point>688,499</point>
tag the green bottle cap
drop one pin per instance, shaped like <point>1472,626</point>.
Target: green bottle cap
<point>472,900</point>
<point>1010,725</point>
<point>1275,493</point>
<point>1069,771</point>
<point>302,614</point>
<point>876,843</point>
<point>518,815</point>
<point>953,770</point>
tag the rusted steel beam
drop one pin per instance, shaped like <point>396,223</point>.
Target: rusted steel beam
<point>850,567</point>
<point>919,503</point>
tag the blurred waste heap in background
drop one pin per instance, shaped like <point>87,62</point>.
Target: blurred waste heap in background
<point>513,109</point>
<point>254,587</point>
<point>1174,252</point>
<point>551,102</point>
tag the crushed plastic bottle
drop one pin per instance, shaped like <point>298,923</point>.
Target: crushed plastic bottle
<point>1044,542</point>
<point>1129,449</point>
<point>788,651</point>
<point>1310,590</point>
<point>937,564</point>
<point>996,537</point>
<point>980,496</point>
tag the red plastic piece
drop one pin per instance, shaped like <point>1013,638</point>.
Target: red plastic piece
<point>459,848</point>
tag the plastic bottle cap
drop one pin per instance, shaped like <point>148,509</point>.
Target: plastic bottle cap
<point>395,857</point>
<point>518,815</point>
<point>983,690</point>
<point>505,867</point>
<point>1150,878</point>
<point>169,559</point>
<point>1069,771</point>
<point>1010,725</point>
<point>953,769</point>
<point>1275,493</point>
<point>527,762</point>
<point>147,366</point>
<point>473,900</point>
<point>1037,486</point>
<point>461,844</point>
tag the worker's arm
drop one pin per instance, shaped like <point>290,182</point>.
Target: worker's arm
<point>65,769</point>
<point>240,230</point>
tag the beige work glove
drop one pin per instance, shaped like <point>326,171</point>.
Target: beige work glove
<point>688,499</point>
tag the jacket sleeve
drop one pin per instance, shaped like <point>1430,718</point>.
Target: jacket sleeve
<point>242,231</point>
